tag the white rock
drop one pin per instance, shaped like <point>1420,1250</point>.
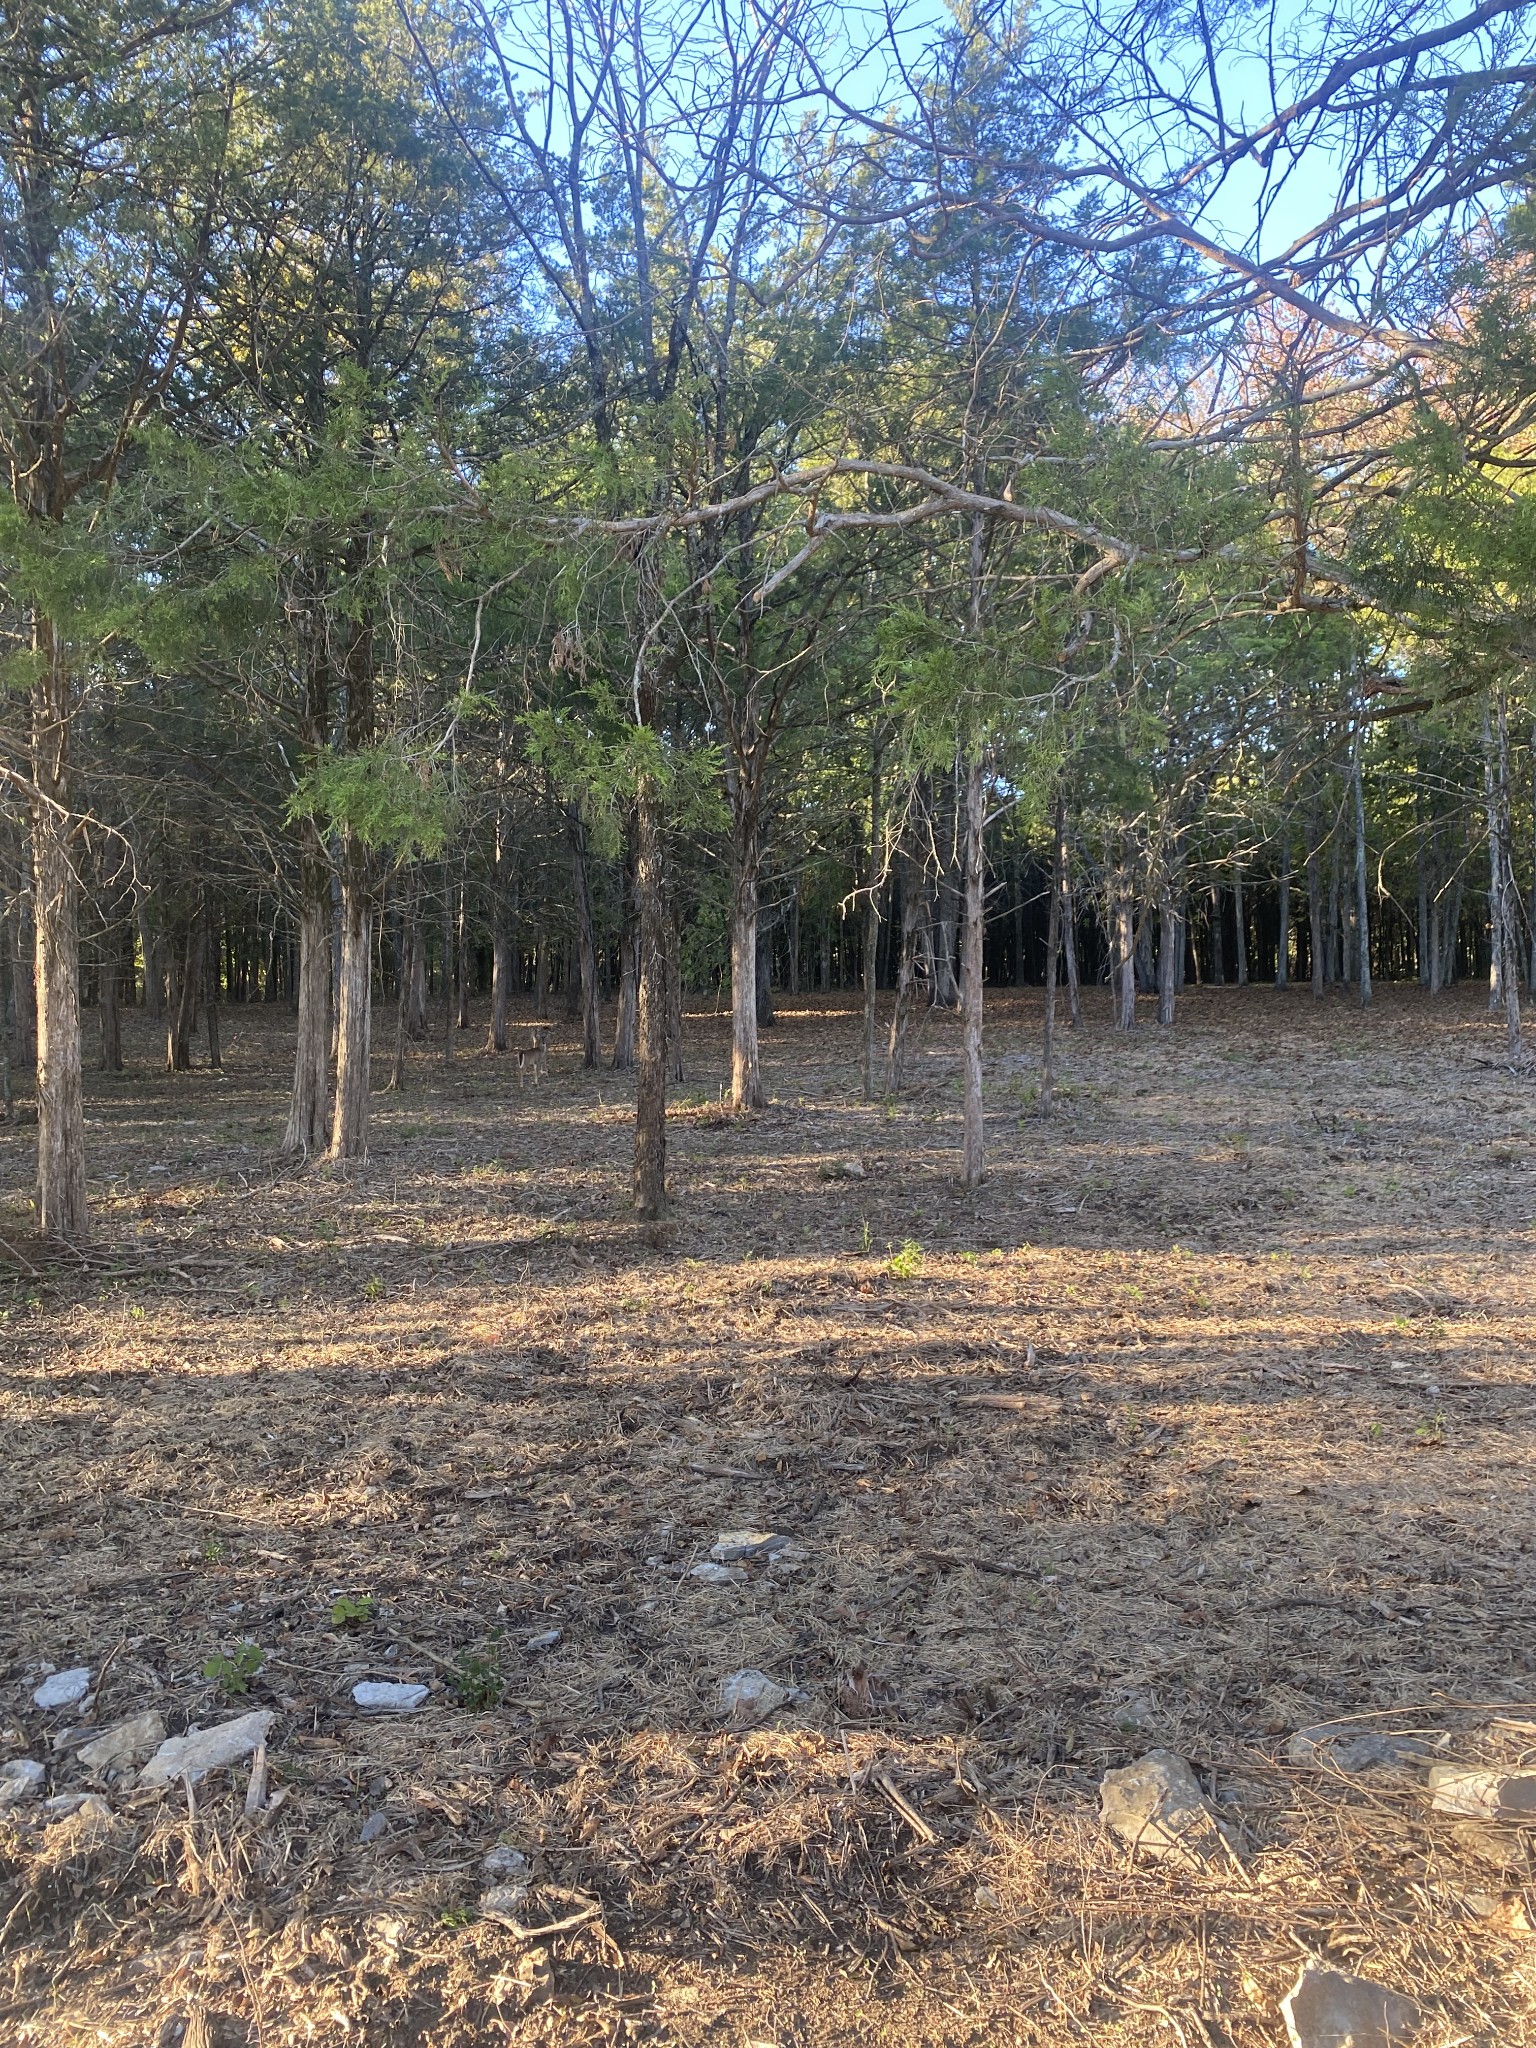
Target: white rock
<point>20,1781</point>
<point>130,1742</point>
<point>1327,2009</point>
<point>378,1696</point>
<point>747,1697</point>
<point>65,1805</point>
<point>546,1641</point>
<point>718,1574</point>
<point>505,1902</point>
<point>201,1750</point>
<point>1483,1795</point>
<point>737,1546</point>
<point>502,1865</point>
<point>63,1689</point>
<point>1156,1807</point>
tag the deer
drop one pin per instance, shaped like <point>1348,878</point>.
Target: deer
<point>532,1054</point>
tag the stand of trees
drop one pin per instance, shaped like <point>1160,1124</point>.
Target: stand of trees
<point>574,504</point>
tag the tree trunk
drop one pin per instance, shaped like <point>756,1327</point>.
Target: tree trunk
<point>914,909</point>
<point>61,1204</point>
<point>1362,883</point>
<point>463,953</point>
<point>354,1008</point>
<point>184,954</point>
<point>650,1173</point>
<point>503,953</point>
<point>1125,953</point>
<point>1283,946</point>
<point>304,1133</point>
<point>973,894</point>
<point>1053,926</point>
<point>792,937</point>
<point>1218,939</point>
<point>1068,918</point>
<point>1170,940</point>
<point>1508,898</point>
<point>872,922</point>
<point>746,1065</point>
<point>445,939</point>
<point>1496,968</point>
<point>212,953</point>
<point>1317,937</point>
<point>1240,914</point>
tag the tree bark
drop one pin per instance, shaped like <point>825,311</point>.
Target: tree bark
<point>914,908</point>
<point>746,1061</point>
<point>1496,965</point>
<point>1362,881</point>
<point>503,955</point>
<point>1240,912</point>
<point>1053,926</point>
<point>1170,939</point>
<point>1283,945</point>
<point>650,1171</point>
<point>1069,919</point>
<point>1508,897</point>
<point>354,1009</point>
<point>212,950</point>
<point>61,1200</point>
<point>1125,953</point>
<point>973,938</point>
<point>1317,938</point>
<point>872,922</point>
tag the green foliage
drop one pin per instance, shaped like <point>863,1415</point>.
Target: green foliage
<point>382,796</point>
<point>906,1263</point>
<point>233,1671</point>
<point>476,1680</point>
<point>352,1611</point>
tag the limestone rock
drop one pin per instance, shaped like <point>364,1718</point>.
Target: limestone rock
<point>1157,1808</point>
<point>747,1697</point>
<point>20,1781</point>
<point>63,1689</point>
<point>378,1696</point>
<point>201,1750</point>
<point>1328,2009</point>
<point>1484,1795</point>
<point>130,1742</point>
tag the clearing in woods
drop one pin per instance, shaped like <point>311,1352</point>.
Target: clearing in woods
<point>1209,1418</point>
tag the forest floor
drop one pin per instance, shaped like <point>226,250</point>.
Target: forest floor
<point>1210,1417</point>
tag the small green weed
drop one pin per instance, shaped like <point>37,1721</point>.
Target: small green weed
<point>373,1288</point>
<point>477,1681</point>
<point>907,1263</point>
<point>233,1674</point>
<point>214,1551</point>
<point>352,1610</point>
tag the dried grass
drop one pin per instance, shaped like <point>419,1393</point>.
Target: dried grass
<point>1209,1418</point>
